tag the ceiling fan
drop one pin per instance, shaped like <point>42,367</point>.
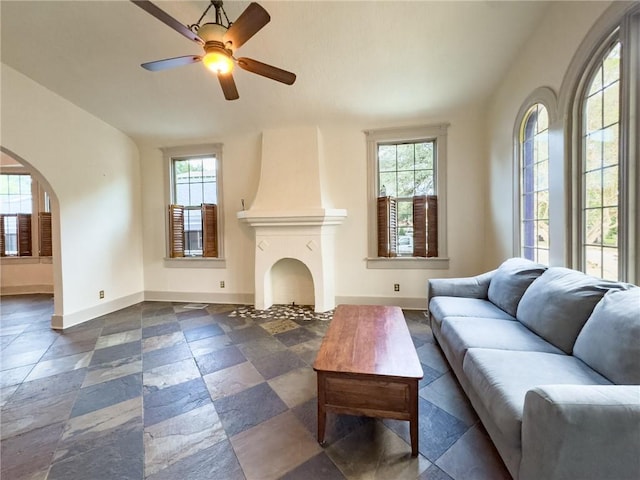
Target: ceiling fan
<point>219,41</point>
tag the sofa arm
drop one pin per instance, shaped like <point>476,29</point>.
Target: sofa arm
<point>469,287</point>
<point>581,431</point>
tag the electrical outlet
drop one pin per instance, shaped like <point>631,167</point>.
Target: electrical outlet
<point>222,284</point>
<point>396,287</point>
<point>101,293</point>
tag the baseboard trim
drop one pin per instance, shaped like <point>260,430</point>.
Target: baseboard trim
<point>61,322</point>
<point>26,289</point>
<point>199,297</point>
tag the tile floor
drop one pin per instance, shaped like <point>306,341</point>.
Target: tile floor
<point>160,391</point>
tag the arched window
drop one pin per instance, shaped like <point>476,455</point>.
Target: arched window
<point>600,169</point>
<point>534,184</point>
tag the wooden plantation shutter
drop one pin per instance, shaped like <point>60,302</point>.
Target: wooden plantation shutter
<point>387,223</point>
<point>46,247</point>
<point>176,231</point>
<point>24,234</point>
<point>420,226</point>
<point>209,230</point>
<point>432,226</point>
<point>3,246</point>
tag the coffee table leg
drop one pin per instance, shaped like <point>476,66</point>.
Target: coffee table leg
<point>413,422</point>
<point>322,414</point>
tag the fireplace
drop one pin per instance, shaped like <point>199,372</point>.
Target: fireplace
<point>290,214</point>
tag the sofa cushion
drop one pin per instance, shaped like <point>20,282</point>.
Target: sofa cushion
<point>510,281</point>
<point>558,303</point>
<point>463,333</point>
<point>610,340</point>
<point>501,378</point>
<point>441,307</point>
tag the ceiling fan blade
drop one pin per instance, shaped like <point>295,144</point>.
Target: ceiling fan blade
<point>171,63</point>
<point>167,19</point>
<point>269,71</point>
<point>247,25</point>
<point>228,86</point>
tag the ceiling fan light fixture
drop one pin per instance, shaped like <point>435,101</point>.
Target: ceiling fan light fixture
<point>218,60</point>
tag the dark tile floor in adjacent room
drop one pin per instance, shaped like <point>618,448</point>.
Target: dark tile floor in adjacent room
<point>164,391</point>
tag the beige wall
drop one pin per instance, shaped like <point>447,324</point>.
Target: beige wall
<point>92,172</point>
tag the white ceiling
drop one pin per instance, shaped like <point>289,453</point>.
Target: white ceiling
<point>372,62</point>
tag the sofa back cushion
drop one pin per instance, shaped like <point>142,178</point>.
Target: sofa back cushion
<point>557,305</point>
<point>610,340</point>
<point>510,281</point>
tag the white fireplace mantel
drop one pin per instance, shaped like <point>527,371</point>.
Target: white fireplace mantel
<point>293,218</point>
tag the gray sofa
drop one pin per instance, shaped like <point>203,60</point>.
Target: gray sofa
<point>550,360</point>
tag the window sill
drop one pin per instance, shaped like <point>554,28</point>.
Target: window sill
<point>24,260</point>
<point>195,262</point>
<point>414,263</point>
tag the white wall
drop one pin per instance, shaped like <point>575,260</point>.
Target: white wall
<point>345,172</point>
<point>93,173</point>
<point>543,62</point>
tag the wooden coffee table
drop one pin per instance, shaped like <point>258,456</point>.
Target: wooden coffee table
<point>367,365</point>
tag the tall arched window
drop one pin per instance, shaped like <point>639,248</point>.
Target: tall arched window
<point>534,184</point>
<point>600,167</point>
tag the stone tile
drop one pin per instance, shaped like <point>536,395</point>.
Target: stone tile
<point>30,416</point>
<point>9,361</point>
<point>129,324</point>
<point>180,437</point>
<point>374,451</point>
<point>296,336</point>
<point>434,473</point>
<point>307,351</point>
<point>79,333</point>
<point>256,349</point>
<point>108,393</point>
<point>462,459</point>
<point>196,322</point>
<point>186,314</point>
<point>296,386</point>
<point>121,456</point>
<point>248,408</point>
<point>157,330</point>
<point>162,341</point>
<point>319,467</point>
<point>127,336</point>
<point>446,393</point>
<point>246,334</point>
<point>169,375</point>
<point>429,376</point>
<point>437,429</point>
<point>431,355</point>
<point>6,393</point>
<point>164,356</point>
<point>279,326</point>
<point>232,380</point>
<point>95,429</point>
<point>218,462</point>
<point>47,387</point>
<point>29,454</point>
<point>48,368</point>
<point>223,358</point>
<point>278,363</point>
<point>112,370</point>
<point>15,376</point>
<point>205,331</point>
<point>12,331</point>
<point>169,402</point>
<point>118,352</point>
<point>260,448</point>
<point>58,350</point>
<point>157,320</point>
<point>208,345</point>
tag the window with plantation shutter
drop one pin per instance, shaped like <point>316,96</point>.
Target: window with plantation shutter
<point>407,174</point>
<point>209,230</point>
<point>387,227</point>
<point>46,246</point>
<point>24,235</point>
<point>176,231</point>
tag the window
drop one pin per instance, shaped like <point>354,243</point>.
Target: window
<point>600,168</point>
<point>534,185</point>
<point>193,213</point>
<point>20,197</point>
<point>407,175</point>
